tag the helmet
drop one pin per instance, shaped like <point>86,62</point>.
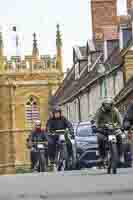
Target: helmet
<point>92,121</point>
<point>57,109</point>
<point>37,123</point>
<point>107,104</point>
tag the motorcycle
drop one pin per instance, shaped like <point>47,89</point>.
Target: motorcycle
<point>128,147</point>
<point>63,159</point>
<point>112,157</point>
<point>41,163</point>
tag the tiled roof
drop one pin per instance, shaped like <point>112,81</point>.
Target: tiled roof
<point>115,58</point>
<point>128,88</point>
<point>72,88</point>
<point>82,84</point>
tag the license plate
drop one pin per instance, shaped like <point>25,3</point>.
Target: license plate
<point>62,138</point>
<point>112,138</point>
<point>123,136</point>
<point>40,146</point>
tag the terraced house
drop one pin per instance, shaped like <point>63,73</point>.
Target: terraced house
<point>102,67</point>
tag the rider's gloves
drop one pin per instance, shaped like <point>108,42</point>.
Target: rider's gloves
<point>73,137</point>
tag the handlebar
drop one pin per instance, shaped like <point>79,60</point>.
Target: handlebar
<point>46,143</point>
<point>59,131</point>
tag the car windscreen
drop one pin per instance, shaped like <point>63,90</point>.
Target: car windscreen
<point>84,131</point>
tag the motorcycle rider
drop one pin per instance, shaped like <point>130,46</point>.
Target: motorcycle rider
<point>37,135</point>
<point>108,114</point>
<point>93,126</point>
<point>128,118</point>
<point>58,122</point>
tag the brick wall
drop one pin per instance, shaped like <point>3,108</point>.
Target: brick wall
<point>129,4</point>
<point>104,13</point>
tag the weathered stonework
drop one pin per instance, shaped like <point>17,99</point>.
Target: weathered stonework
<point>128,65</point>
<point>18,83</point>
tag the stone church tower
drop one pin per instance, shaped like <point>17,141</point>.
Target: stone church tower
<point>25,89</point>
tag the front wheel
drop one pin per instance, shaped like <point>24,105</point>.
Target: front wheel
<point>62,159</point>
<point>42,162</point>
<point>113,160</point>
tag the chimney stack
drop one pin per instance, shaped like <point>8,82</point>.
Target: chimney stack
<point>104,12</point>
<point>129,5</point>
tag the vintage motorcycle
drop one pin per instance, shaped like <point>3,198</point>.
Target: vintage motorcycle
<point>111,133</point>
<point>64,158</point>
<point>40,148</point>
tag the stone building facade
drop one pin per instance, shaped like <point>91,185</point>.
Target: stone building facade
<point>25,90</point>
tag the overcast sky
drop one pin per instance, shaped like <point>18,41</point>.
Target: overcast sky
<point>41,16</point>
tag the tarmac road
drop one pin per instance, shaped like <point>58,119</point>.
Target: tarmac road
<point>80,185</point>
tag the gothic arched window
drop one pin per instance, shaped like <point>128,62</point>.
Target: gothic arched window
<point>32,111</point>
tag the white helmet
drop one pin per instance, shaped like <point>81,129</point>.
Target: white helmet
<point>37,123</point>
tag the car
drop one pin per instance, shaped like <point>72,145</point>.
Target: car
<point>86,146</point>
<point>75,125</point>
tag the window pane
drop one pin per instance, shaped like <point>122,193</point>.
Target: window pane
<point>127,35</point>
<point>32,112</point>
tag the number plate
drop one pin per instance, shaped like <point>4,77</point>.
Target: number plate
<point>112,138</point>
<point>62,138</point>
<point>123,136</point>
<point>40,146</point>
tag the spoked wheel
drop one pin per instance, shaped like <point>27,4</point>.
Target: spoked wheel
<point>108,163</point>
<point>36,167</point>
<point>62,159</point>
<point>42,163</point>
<point>112,159</point>
<point>60,163</point>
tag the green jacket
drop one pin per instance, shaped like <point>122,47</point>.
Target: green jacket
<point>104,117</point>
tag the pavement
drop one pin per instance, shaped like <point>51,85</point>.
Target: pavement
<point>81,185</point>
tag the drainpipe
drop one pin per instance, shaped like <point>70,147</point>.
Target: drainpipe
<point>124,72</point>
<point>11,130</point>
<point>79,109</point>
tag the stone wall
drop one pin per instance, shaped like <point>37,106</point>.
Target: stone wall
<point>128,66</point>
<point>15,89</point>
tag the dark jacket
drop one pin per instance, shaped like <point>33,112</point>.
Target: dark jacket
<point>58,124</point>
<point>128,118</point>
<point>37,136</point>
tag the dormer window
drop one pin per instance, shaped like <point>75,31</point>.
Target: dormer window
<point>103,88</point>
<point>89,62</point>
<point>109,46</point>
<point>77,71</point>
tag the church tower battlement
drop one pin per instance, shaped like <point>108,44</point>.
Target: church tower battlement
<point>33,63</point>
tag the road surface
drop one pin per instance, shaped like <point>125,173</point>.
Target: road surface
<point>77,185</point>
